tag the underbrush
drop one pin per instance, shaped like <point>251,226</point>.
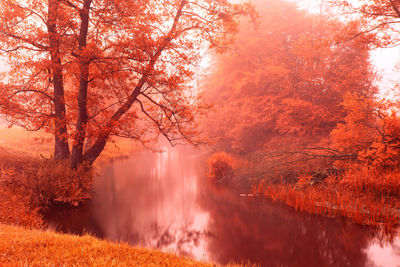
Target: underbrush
<point>30,186</point>
<point>367,194</point>
<point>16,209</point>
<point>363,193</point>
<point>220,165</point>
<point>31,183</point>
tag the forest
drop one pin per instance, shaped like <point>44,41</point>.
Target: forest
<point>304,109</point>
<point>107,105</point>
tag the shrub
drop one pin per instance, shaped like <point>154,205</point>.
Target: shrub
<point>16,209</point>
<point>220,165</point>
<point>46,182</point>
<point>56,182</point>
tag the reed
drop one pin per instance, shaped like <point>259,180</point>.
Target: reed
<point>360,193</point>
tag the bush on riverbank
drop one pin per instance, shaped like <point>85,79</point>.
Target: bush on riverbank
<point>31,182</point>
<point>220,165</point>
<point>46,182</point>
<point>29,186</point>
<point>16,206</point>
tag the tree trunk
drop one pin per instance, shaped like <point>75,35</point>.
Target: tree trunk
<point>94,152</point>
<point>61,148</point>
<point>77,150</point>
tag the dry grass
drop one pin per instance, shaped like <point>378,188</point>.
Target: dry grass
<point>31,182</point>
<point>22,247</point>
<point>363,194</point>
<point>16,209</point>
<point>17,141</point>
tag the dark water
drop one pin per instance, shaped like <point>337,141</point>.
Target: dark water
<point>165,201</point>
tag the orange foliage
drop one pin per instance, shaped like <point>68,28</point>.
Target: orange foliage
<point>220,165</point>
<point>16,209</point>
<point>367,188</point>
<point>378,20</point>
<point>282,85</point>
<point>88,70</point>
<point>45,182</point>
<point>370,131</point>
<point>300,103</point>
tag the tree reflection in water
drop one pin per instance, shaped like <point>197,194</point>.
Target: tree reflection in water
<point>165,201</point>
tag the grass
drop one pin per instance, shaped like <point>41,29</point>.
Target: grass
<point>23,247</point>
<point>363,194</point>
<point>29,183</point>
<point>366,194</point>
<point>17,141</point>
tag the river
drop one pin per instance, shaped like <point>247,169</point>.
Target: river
<point>165,201</point>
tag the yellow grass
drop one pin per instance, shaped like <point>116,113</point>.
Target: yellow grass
<point>28,247</point>
<point>365,196</point>
<point>22,247</point>
<point>17,141</point>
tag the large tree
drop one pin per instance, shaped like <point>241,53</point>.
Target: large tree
<point>88,70</point>
<point>282,85</point>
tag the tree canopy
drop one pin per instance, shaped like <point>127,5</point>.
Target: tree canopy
<point>379,19</point>
<point>87,70</point>
<point>283,83</point>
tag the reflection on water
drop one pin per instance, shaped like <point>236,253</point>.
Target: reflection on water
<point>163,200</point>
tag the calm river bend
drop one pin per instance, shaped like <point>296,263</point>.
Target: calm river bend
<point>164,200</point>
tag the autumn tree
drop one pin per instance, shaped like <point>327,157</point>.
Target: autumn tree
<point>88,70</point>
<point>375,140</point>
<point>281,86</point>
<point>379,19</point>
<point>370,132</point>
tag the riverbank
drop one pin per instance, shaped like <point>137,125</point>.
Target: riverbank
<point>23,247</point>
<point>365,195</point>
<point>31,182</point>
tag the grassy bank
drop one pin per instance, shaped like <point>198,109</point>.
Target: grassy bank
<point>31,182</point>
<point>366,195</point>
<point>22,247</point>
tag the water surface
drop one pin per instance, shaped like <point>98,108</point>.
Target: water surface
<point>165,201</point>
